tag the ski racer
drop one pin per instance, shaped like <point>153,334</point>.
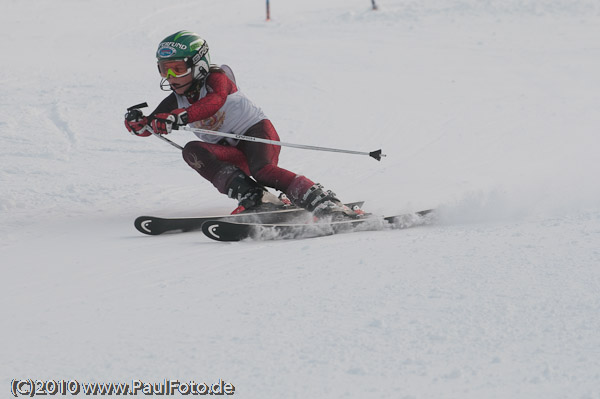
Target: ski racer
<point>204,95</point>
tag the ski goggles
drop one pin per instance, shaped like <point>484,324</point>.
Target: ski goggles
<point>173,68</point>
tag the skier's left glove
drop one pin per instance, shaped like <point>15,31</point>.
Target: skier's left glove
<point>136,123</point>
<point>164,123</point>
<point>138,128</point>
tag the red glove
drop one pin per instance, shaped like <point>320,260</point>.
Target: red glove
<point>138,127</point>
<point>164,123</point>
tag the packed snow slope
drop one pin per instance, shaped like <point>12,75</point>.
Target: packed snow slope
<point>488,110</point>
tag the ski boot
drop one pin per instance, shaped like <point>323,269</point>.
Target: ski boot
<point>252,197</point>
<point>324,204</point>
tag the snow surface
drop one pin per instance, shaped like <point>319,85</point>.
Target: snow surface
<point>486,109</point>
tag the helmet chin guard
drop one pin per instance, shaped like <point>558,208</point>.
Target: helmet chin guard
<point>194,86</point>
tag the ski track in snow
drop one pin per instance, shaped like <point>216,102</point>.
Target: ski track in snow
<point>487,110</point>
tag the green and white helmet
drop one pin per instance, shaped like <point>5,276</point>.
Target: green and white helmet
<point>189,47</point>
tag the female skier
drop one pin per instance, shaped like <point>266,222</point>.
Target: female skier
<point>206,96</point>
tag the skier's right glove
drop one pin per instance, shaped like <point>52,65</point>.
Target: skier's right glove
<point>136,123</point>
<point>164,123</point>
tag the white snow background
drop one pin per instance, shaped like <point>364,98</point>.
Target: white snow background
<point>486,109</point>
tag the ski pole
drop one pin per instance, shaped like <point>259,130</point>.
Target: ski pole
<point>134,111</point>
<point>160,136</point>
<point>373,154</point>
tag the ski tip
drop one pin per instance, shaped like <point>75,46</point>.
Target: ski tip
<point>377,155</point>
<point>144,225</point>
<point>220,230</point>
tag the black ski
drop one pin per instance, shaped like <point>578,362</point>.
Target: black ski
<point>153,225</point>
<point>226,230</point>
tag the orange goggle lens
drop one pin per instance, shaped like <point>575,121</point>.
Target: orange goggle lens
<point>174,69</point>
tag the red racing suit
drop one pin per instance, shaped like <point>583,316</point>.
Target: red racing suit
<point>220,106</point>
